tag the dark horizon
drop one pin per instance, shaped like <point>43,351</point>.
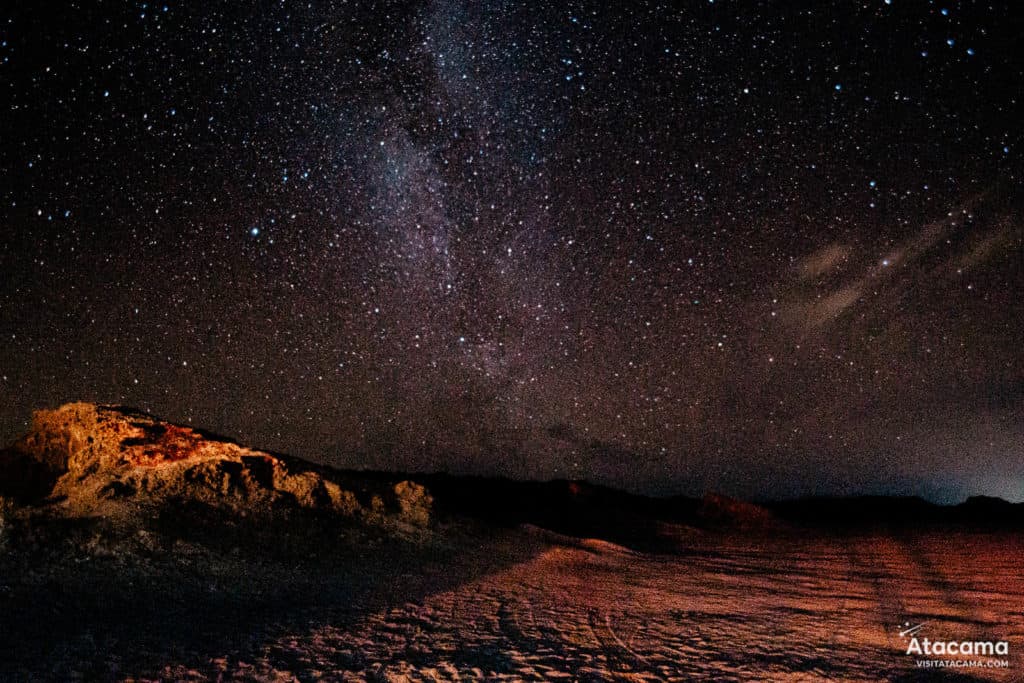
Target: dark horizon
<point>357,462</point>
<point>756,248</point>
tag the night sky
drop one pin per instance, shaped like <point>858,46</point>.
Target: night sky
<point>768,249</point>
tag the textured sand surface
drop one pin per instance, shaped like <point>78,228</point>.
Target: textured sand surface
<point>516,607</point>
<point>827,609</point>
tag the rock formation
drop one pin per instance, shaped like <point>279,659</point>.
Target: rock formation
<point>91,459</point>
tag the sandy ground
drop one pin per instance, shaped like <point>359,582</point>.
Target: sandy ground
<point>514,606</point>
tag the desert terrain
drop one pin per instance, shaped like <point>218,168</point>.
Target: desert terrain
<point>121,562</point>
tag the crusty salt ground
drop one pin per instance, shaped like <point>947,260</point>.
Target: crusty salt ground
<point>822,609</point>
<point>472,603</point>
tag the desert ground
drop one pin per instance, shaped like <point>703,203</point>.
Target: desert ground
<point>132,549</point>
<point>475,603</point>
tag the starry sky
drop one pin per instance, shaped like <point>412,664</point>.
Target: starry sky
<point>763,248</point>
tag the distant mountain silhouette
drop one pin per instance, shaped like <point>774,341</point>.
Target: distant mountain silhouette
<point>899,511</point>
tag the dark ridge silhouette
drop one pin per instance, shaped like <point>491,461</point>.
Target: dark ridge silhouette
<point>907,512</point>
<point>576,508</point>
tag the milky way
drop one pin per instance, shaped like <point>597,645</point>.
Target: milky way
<point>764,248</point>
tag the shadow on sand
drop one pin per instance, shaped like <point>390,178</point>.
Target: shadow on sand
<point>86,599</point>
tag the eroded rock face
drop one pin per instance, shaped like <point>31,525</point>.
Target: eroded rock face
<point>92,456</point>
<point>414,502</point>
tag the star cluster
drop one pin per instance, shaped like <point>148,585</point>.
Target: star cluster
<point>765,248</point>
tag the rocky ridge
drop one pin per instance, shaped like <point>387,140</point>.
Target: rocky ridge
<point>95,459</point>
